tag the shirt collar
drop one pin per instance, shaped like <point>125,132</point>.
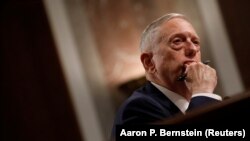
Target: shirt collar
<point>177,99</point>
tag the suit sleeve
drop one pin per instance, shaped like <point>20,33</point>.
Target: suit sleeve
<point>201,101</point>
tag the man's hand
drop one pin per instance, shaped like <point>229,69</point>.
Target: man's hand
<point>200,78</point>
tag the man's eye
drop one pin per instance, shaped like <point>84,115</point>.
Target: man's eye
<point>177,40</point>
<point>196,42</point>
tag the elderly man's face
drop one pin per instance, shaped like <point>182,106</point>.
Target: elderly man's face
<point>178,44</point>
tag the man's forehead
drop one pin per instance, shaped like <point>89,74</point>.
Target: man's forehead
<point>176,25</point>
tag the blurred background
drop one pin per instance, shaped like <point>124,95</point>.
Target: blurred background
<point>67,65</point>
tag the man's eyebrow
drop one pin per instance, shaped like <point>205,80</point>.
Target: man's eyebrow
<point>163,36</point>
<point>183,34</point>
<point>175,35</point>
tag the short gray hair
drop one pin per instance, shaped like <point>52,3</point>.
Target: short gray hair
<point>147,37</point>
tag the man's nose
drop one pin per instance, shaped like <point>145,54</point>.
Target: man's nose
<point>191,49</point>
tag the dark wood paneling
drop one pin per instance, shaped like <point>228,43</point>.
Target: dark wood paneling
<point>237,21</point>
<point>35,102</point>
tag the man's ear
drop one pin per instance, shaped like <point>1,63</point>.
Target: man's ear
<point>148,63</point>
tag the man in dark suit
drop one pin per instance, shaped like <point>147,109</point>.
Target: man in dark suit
<point>177,79</point>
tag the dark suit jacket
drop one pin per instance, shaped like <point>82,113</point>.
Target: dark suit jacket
<point>147,104</point>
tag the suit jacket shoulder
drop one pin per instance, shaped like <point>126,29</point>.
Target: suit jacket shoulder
<point>147,104</point>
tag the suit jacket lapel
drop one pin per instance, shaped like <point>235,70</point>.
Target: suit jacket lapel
<point>163,100</point>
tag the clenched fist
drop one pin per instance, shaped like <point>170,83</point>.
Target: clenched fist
<point>200,78</point>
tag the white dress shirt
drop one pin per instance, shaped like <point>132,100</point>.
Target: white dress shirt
<point>181,102</point>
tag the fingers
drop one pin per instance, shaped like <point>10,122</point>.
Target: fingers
<point>194,66</point>
<point>196,70</point>
<point>200,77</point>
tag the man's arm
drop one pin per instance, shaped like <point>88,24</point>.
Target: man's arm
<point>203,99</point>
